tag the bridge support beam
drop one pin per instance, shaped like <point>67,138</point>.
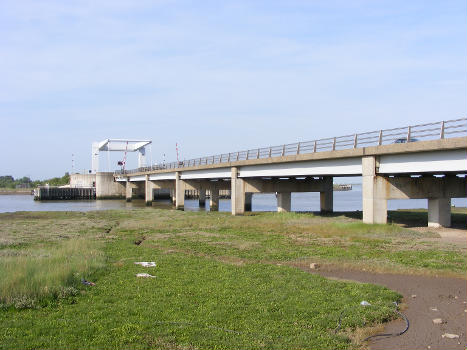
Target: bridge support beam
<point>237,196</point>
<point>439,212</point>
<point>149,191</point>
<point>179,192</point>
<point>284,200</point>
<point>326,196</point>
<point>202,197</point>
<point>214,200</point>
<point>375,204</point>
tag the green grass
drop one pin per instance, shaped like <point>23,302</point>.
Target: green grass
<point>222,282</point>
<point>32,276</point>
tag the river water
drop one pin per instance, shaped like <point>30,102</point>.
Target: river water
<point>343,201</point>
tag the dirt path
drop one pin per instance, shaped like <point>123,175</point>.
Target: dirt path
<point>427,298</point>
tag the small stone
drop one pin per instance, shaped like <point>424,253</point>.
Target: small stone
<point>429,347</point>
<point>433,309</point>
<point>314,266</point>
<point>450,336</point>
<point>465,310</point>
<point>414,295</point>
<point>438,321</point>
<point>456,297</point>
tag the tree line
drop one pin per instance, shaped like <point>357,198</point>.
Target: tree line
<point>8,181</point>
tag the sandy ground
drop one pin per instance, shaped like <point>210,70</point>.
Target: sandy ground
<point>426,298</point>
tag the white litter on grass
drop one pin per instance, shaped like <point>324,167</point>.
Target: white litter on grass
<point>146,263</point>
<point>365,303</point>
<point>450,336</point>
<point>145,275</point>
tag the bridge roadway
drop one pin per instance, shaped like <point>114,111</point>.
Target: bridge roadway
<point>433,169</point>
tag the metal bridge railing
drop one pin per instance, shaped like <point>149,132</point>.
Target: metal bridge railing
<point>413,133</point>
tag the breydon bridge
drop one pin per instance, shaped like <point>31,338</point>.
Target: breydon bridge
<point>421,161</point>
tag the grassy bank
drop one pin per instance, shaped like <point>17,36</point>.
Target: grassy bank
<point>221,282</point>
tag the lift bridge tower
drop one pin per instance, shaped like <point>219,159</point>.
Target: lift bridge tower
<point>119,145</point>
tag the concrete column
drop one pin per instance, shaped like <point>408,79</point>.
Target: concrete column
<point>107,187</point>
<point>326,198</point>
<point>375,204</point>
<point>237,197</point>
<point>248,200</point>
<point>202,197</point>
<point>179,192</point>
<point>172,196</point>
<point>128,190</point>
<point>149,191</point>
<point>439,212</point>
<point>284,200</point>
<point>214,200</point>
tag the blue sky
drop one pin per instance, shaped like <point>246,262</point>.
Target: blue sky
<point>218,76</point>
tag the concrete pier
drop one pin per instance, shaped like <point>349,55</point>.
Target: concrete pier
<point>284,200</point>
<point>237,193</point>
<point>202,198</point>
<point>149,191</point>
<point>439,212</point>
<point>326,196</point>
<point>374,201</point>
<point>179,192</point>
<point>214,200</point>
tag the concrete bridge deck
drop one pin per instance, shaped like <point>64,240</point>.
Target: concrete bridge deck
<point>434,169</point>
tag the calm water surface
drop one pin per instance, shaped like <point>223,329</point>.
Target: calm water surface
<point>343,201</point>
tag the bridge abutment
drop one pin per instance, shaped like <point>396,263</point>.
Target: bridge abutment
<point>108,188</point>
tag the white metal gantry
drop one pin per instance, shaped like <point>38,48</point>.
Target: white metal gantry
<point>119,145</point>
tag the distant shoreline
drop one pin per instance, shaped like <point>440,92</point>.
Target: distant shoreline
<point>4,191</point>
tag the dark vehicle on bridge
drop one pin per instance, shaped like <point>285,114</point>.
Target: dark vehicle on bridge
<point>404,140</point>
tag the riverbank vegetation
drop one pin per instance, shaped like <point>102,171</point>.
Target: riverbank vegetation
<point>9,182</point>
<point>220,282</point>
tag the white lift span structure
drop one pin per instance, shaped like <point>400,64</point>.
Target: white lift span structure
<point>119,145</point>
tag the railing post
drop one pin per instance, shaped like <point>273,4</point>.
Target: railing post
<point>212,159</point>
<point>228,158</point>
<point>380,139</point>
<point>334,144</point>
<point>257,154</point>
<point>355,141</point>
<point>270,152</point>
<point>314,147</point>
<point>238,155</point>
<point>441,134</point>
<point>283,150</point>
<point>247,154</point>
<point>408,134</point>
<point>298,148</point>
